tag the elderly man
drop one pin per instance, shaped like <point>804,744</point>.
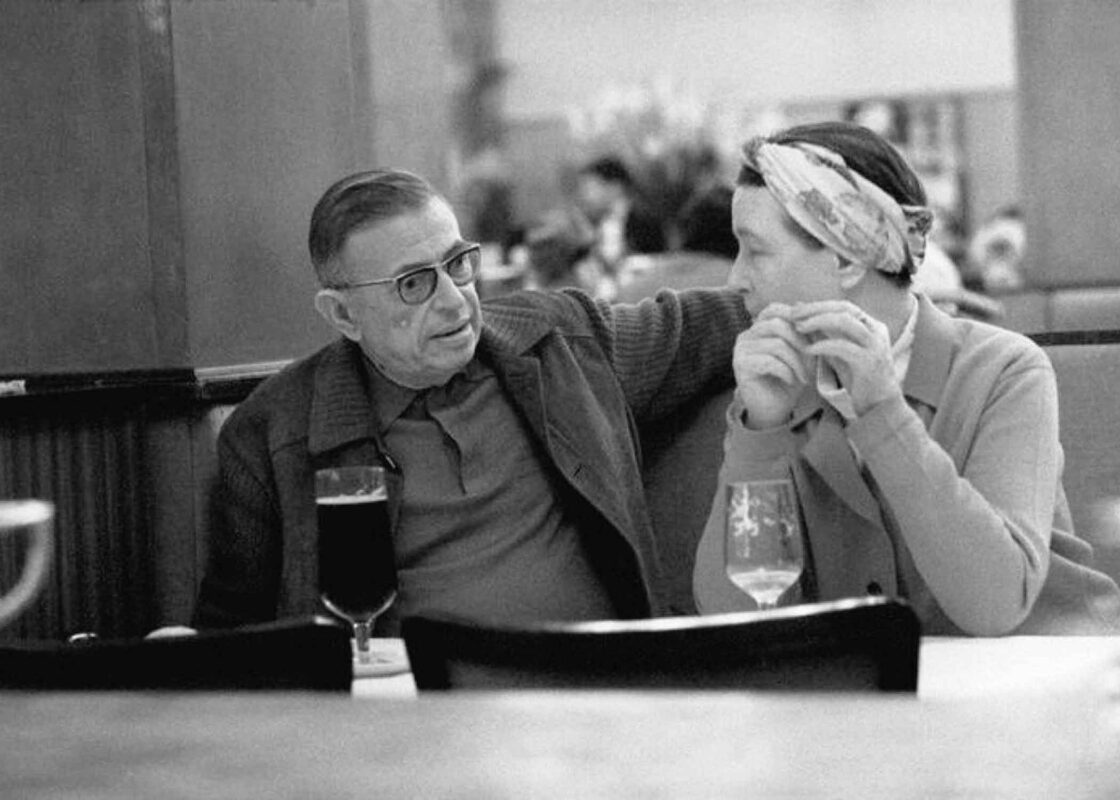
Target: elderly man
<point>508,430</point>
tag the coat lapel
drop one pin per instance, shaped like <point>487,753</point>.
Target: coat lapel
<point>506,339</point>
<point>830,455</point>
<point>341,410</point>
<point>585,462</point>
<point>521,377</point>
<point>828,451</point>
<point>934,345</point>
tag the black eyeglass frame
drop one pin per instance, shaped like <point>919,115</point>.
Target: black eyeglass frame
<point>472,253</point>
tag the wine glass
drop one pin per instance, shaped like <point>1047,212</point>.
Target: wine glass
<point>34,520</point>
<point>357,573</point>
<point>763,548</point>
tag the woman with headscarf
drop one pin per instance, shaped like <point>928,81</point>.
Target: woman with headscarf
<point>923,448</point>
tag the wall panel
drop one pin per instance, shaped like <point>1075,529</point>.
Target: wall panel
<point>76,287</point>
<point>1070,124</point>
<point>264,100</point>
<point>161,159</point>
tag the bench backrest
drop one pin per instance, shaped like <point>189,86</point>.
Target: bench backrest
<point>682,456</point>
<point>1089,413</point>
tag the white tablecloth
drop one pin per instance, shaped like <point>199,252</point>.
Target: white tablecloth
<point>955,668</point>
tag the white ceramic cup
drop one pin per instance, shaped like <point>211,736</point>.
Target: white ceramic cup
<point>35,520</point>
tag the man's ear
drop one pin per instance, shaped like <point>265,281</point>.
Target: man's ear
<point>849,272</point>
<point>332,305</point>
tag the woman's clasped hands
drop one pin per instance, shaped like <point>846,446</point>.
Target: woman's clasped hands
<point>777,356</point>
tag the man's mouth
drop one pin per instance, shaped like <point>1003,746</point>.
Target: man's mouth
<point>453,331</point>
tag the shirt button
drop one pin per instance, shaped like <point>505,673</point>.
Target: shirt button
<point>874,588</point>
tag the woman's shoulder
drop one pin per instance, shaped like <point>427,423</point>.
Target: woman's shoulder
<point>978,341</point>
<point>1015,346</point>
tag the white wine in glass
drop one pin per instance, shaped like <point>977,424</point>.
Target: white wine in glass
<point>762,545</point>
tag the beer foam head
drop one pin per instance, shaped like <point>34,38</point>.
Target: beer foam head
<point>376,496</point>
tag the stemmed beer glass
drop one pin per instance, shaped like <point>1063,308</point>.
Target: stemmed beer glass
<point>762,546</point>
<point>357,573</point>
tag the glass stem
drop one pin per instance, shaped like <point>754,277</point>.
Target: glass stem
<point>361,641</point>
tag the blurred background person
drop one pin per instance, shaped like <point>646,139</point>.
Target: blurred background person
<point>556,248</point>
<point>557,253</point>
<point>623,224</point>
<point>486,188</point>
<point>995,253</point>
<point>698,223</point>
<point>939,278</point>
<point>703,223</point>
<point>708,247</point>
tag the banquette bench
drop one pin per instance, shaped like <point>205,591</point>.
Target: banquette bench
<point>1090,308</point>
<point>129,459</point>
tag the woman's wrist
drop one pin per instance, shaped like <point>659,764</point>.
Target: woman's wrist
<point>757,419</point>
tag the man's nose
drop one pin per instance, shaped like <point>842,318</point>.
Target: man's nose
<point>447,294</point>
<point>737,275</point>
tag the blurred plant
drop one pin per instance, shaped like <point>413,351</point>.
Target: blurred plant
<point>670,142</point>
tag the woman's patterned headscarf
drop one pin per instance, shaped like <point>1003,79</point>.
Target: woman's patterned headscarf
<point>843,210</point>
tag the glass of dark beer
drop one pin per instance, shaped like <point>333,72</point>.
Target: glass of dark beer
<point>357,574</point>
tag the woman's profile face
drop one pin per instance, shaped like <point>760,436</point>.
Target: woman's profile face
<point>775,264</point>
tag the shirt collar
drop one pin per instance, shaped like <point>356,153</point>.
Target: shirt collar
<point>390,399</point>
<point>340,406</point>
<point>935,342</point>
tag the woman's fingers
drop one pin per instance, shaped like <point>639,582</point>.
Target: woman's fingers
<point>776,341</point>
<point>853,324</point>
<point>757,366</point>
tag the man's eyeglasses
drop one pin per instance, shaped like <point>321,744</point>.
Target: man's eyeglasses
<point>417,285</point>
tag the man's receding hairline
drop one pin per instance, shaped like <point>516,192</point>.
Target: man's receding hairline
<point>403,211</point>
<point>333,264</point>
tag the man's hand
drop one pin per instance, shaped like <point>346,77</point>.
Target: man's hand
<point>856,345</point>
<point>770,367</point>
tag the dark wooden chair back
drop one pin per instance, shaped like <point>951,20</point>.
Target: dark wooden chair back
<point>308,653</point>
<point>851,645</point>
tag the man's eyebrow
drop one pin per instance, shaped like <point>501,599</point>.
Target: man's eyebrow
<point>448,253</point>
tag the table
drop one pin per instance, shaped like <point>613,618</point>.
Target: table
<point>965,668</point>
<point>552,745</point>
<point>957,668</point>
<point>1042,739</point>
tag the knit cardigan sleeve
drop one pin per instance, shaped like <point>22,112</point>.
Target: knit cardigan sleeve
<point>242,578</point>
<point>671,348</point>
